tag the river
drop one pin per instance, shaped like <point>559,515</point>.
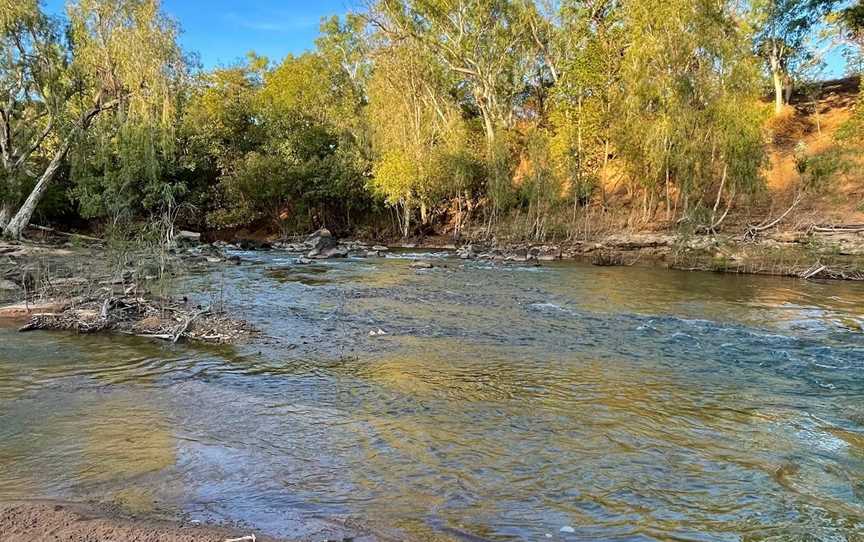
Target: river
<point>472,401</point>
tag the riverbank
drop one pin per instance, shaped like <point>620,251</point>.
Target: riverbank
<point>45,521</point>
<point>87,287</point>
<point>820,253</point>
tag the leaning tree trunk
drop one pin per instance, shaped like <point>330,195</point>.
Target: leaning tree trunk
<point>21,220</point>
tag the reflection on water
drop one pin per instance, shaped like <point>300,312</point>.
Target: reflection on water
<point>503,403</point>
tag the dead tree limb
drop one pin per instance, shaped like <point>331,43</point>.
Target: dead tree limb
<point>755,229</point>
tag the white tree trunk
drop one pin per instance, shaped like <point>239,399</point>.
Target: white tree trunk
<point>778,92</point>
<point>406,223</point>
<point>777,77</point>
<point>21,220</point>
<point>5,214</point>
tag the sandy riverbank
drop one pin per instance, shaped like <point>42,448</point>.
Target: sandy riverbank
<point>44,521</point>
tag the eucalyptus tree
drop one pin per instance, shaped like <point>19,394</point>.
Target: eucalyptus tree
<point>416,129</point>
<point>32,63</point>
<point>851,22</point>
<point>590,44</point>
<point>116,56</point>
<point>689,109</point>
<point>782,29</point>
<point>485,43</point>
<point>309,162</point>
<point>344,43</point>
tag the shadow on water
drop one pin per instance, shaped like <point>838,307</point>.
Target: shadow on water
<point>496,403</point>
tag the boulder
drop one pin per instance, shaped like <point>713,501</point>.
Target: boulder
<point>380,248</point>
<point>421,264</point>
<point>184,236</point>
<point>321,240</point>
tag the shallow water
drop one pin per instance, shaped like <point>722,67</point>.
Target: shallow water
<point>503,403</point>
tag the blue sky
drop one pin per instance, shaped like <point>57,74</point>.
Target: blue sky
<point>221,31</point>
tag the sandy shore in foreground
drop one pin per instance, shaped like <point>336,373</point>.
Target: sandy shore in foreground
<point>64,522</point>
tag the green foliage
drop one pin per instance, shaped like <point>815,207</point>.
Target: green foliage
<point>421,144</point>
<point>781,30</point>
<point>105,92</point>
<point>818,170</point>
<point>524,106</point>
<point>591,43</point>
<point>689,100</point>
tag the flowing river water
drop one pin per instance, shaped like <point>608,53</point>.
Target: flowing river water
<point>502,402</point>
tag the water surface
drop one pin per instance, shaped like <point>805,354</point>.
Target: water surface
<point>501,402</point>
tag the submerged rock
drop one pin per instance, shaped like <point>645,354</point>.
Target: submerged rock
<point>421,264</point>
<point>334,252</point>
<point>466,252</point>
<point>252,244</point>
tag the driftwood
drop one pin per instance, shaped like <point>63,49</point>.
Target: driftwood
<point>154,319</point>
<point>755,230</point>
<point>839,228</point>
<point>66,234</point>
<point>813,271</point>
<point>189,320</point>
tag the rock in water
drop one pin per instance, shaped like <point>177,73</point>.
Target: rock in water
<point>252,244</point>
<point>321,240</point>
<point>421,264</point>
<point>327,253</point>
<point>188,237</point>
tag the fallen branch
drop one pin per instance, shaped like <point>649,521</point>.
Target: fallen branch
<point>248,538</point>
<point>66,234</point>
<point>813,271</point>
<point>754,230</point>
<point>847,228</point>
<point>189,320</point>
